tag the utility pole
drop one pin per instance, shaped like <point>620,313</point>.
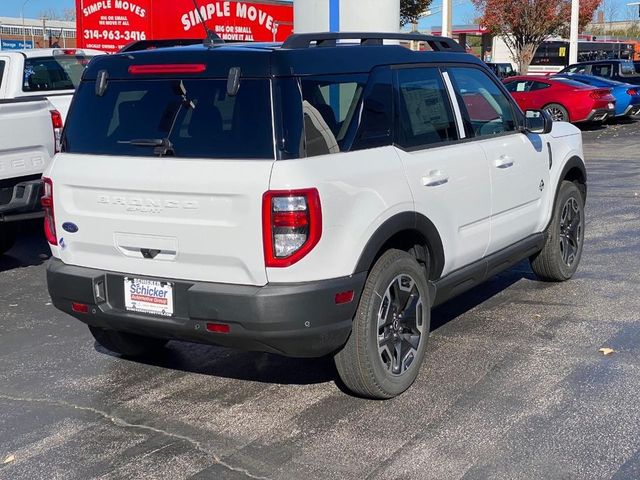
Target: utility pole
<point>573,35</point>
<point>446,18</point>
<point>24,32</point>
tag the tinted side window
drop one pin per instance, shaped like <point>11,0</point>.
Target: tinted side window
<point>602,70</point>
<point>486,109</point>
<point>539,86</point>
<point>329,104</point>
<point>518,86</point>
<point>425,114</point>
<point>2,63</point>
<point>376,118</point>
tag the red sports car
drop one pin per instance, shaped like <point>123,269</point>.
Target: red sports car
<point>565,100</point>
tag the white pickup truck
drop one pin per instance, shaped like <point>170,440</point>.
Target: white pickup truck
<point>30,131</point>
<point>50,72</point>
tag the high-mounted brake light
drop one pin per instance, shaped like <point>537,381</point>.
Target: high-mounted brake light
<point>166,69</point>
<point>291,225</point>
<point>67,51</point>
<point>47,205</point>
<point>57,124</point>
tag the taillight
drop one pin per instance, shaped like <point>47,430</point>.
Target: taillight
<point>57,124</point>
<point>633,92</point>
<point>291,225</point>
<point>47,205</point>
<point>600,93</point>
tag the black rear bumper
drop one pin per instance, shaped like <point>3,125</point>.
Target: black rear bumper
<point>20,199</point>
<point>297,320</point>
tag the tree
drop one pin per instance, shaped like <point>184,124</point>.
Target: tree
<point>525,24</point>
<point>410,10</point>
<point>51,13</point>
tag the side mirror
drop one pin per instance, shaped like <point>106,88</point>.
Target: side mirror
<point>537,121</point>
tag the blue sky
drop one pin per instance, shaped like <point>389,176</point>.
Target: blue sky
<point>11,8</point>
<point>462,12</point>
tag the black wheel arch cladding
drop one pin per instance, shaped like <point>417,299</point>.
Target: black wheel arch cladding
<point>399,223</point>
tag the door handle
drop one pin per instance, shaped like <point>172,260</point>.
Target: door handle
<point>435,178</point>
<point>504,162</point>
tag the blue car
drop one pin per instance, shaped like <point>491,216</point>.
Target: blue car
<point>627,95</point>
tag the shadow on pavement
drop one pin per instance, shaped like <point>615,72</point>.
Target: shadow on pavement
<point>274,369</point>
<point>30,249</point>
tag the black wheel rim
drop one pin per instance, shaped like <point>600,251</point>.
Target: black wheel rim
<point>570,231</point>
<point>400,325</point>
<point>556,114</point>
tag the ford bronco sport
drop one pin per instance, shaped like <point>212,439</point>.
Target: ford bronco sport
<point>308,198</point>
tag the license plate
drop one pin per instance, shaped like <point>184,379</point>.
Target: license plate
<point>611,106</point>
<point>148,296</point>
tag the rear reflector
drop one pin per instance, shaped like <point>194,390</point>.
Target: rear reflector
<point>169,68</point>
<point>80,307</point>
<point>218,327</point>
<point>344,297</point>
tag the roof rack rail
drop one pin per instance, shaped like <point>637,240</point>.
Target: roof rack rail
<point>174,42</point>
<point>305,40</point>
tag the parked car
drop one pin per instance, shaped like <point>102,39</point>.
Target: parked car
<point>302,199</point>
<point>614,69</point>
<point>30,130</point>
<point>565,100</point>
<point>50,72</point>
<point>627,96</point>
<point>502,70</point>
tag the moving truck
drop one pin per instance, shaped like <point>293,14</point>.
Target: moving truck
<point>109,25</point>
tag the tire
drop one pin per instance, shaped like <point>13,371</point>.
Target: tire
<point>127,344</point>
<point>7,237</point>
<point>558,112</point>
<point>368,364</point>
<point>560,256</point>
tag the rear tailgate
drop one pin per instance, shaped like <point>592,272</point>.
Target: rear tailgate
<point>174,218</point>
<point>27,140</point>
<point>164,176</point>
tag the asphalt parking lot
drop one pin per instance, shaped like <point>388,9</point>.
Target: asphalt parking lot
<point>514,384</point>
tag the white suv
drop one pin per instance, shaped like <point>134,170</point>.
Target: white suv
<point>311,198</point>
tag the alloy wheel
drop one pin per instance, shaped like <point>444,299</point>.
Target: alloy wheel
<point>570,231</point>
<point>400,325</point>
<point>556,114</point>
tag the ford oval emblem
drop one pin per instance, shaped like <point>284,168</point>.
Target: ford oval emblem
<point>70,227</point>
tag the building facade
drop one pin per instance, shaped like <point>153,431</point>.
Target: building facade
<point>36,33</point>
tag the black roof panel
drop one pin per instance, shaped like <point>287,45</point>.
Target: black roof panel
<point>269,60</point>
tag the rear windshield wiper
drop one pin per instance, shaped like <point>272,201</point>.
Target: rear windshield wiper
<point>161,146</point>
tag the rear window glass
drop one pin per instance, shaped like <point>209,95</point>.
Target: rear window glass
<point>60,72</point>
<point>627,68</point>
<point>183,118</point>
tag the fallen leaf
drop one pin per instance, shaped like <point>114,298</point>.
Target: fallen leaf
<point>9,459</point>
<point>606,350</point>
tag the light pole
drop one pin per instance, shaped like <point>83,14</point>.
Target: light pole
<point>573,34</point>
<point>24,33</point>
<point>446,18</point>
